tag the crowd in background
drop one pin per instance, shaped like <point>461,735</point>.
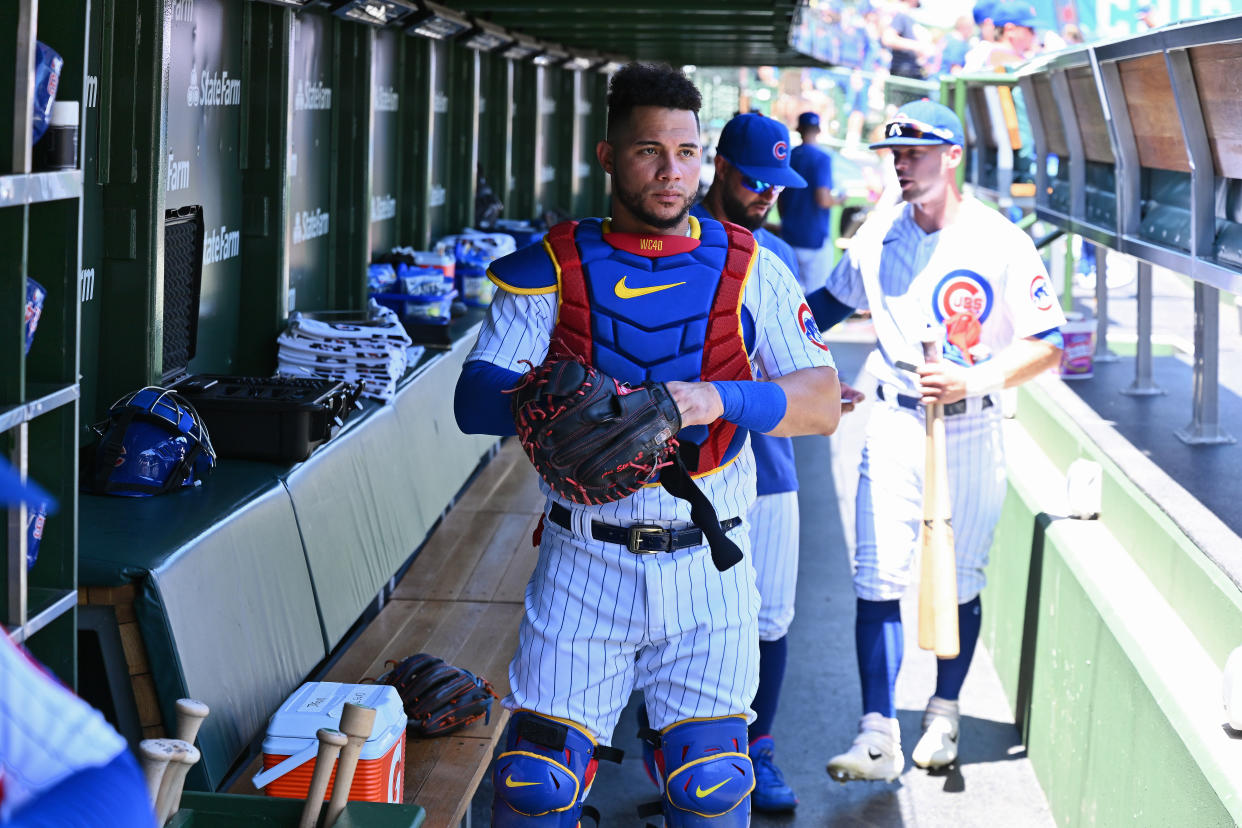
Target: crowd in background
<point>883,53</point>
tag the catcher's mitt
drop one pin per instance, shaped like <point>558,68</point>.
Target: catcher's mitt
<point>594,439</point>
<point>439,698</point>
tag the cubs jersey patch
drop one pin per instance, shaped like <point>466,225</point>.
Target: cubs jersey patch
<point>806,323</point>
<point>962,291</point>
<point>1041,293</point>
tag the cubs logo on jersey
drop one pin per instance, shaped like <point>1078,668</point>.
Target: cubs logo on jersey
<point>962,291</point>
<point>806,323</point>
<point>1041,293</point>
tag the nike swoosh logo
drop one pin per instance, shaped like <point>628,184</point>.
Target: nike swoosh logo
<point>625,292</point>
<point>509,783</point>
<point>874,754</point>
<point>700,793</point>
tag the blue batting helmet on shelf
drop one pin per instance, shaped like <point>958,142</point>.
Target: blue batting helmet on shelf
<point>152,442</point>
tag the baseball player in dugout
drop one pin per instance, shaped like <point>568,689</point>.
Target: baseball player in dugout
<point>806,211</point>
<point>753,168</point>
<point>942,260</point>
<point>627,594</point>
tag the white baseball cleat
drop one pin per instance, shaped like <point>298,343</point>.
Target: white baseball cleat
<point>937,748</point>
<point>875,754</point>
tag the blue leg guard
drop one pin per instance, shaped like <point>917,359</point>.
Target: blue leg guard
<point>707,773</point>
<point>544,773</point>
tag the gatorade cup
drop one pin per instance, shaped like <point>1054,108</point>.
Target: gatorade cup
<point>1077,358</point>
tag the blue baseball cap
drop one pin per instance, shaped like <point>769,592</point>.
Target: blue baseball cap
<point>14,490</point>
<point>983,10</point>
<point>808,119</point>
<point>759,147</point>
<point>1017,12</point>
<point>921,124</point>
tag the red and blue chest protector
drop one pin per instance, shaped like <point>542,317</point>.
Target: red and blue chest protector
<point>642,307</point>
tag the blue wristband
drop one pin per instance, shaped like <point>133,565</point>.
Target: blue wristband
<point>757,406</point>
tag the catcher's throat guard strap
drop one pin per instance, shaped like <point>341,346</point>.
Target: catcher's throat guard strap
<point>676,480</point>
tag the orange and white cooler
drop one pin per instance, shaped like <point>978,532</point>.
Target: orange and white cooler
<point>290,746</point>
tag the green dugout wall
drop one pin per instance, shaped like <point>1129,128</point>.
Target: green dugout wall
<point>312,143</point>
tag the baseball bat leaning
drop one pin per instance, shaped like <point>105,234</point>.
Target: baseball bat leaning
<point>185,755</point>
<point>938,584</point>
<point>155,755</point>
<point>190,715</point>
<point>357,722</point>
<point>330,744</point>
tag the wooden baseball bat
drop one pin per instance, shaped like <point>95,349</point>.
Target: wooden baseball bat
<point>190,715</point>
<point>357,722</point>
<point>173,777</point>
<point>938,584</point>
<point>174,797</point>
<point>330,744</point>
<point>154,754</point>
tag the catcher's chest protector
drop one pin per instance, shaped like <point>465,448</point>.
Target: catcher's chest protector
<point>657,308</point>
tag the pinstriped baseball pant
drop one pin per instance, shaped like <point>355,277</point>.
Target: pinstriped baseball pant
<point>774,544</point>
<point>601,621</point>
<point>889,503</point>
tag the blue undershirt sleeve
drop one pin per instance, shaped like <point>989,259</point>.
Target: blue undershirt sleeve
<point>1052,336</point>
<point>757,406</point>
<point>826,309</point>
<point>480,404</point>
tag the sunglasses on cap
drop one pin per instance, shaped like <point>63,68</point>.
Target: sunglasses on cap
<point>917,130</point>
<point>759,187</point>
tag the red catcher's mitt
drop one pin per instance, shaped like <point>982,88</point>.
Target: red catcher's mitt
<point>439,698</point>
<point>594,439</point>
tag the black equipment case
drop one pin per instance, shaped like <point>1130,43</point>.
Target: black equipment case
<point>281,419</point>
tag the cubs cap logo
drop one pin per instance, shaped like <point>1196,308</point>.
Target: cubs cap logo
<point>1041,293</point>
<point>780,150</point>
<point>806,323</point>
<point>962,291</point>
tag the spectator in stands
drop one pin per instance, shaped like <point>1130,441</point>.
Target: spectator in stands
<point>977,56</point>
<point>1016,21</point>
<point>805,211</point>
<point>1147,17</point>
<point>956,45</point>
<point>61,764</point>
<point>910,47</point>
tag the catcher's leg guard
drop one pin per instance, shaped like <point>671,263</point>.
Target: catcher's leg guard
<point>707,773</point>
<point>544,773</point>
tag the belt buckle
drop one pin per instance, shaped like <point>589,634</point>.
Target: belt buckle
<point>643,531</point>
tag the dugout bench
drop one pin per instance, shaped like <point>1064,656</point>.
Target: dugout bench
<point>238,590</point>
<point>462,599</point>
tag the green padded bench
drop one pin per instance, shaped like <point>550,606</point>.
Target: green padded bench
<point>223,604</point>
<point>235,591</point>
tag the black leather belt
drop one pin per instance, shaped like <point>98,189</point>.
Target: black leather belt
<point>959,407</point>
<point>642,538</point>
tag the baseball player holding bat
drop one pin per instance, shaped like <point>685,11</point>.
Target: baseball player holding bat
<point>940,259</point>
<point>625,593</point>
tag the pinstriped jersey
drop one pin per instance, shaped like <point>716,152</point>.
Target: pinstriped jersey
<point>784,339</point>
<point>47,734</point>
<point>980,263</point>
